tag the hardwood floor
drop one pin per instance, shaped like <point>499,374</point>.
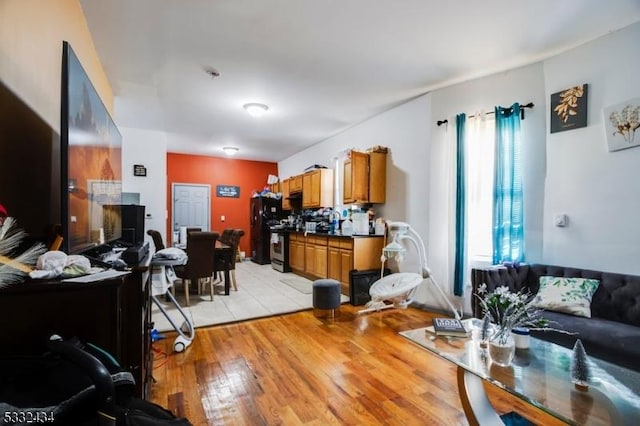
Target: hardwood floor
<point>298,369</point>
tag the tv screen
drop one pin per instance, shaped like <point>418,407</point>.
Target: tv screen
<point>29,168</point>
<point>92,147</point>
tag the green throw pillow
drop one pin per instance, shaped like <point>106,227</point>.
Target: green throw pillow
<point>568,295</point>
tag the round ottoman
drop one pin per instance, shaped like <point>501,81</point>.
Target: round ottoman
<point>326,298</point>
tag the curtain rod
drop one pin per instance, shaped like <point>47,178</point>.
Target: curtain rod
<point>522,107</point>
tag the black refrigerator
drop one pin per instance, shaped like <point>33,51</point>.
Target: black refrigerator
<point>265,212</point>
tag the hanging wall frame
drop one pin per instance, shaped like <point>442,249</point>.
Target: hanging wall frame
<point>622,124</point>
<point>569,109</point>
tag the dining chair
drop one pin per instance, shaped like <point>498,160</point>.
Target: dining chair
<point>230,260</point>
<point>193,229</point>
<point>225,237</point>
<point>157,239</point>
<point>199,267</point>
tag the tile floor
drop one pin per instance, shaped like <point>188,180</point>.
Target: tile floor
<point>260,294</point>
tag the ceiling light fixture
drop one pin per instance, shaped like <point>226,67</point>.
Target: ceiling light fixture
<point>255,109</point>
<point>230,150</point>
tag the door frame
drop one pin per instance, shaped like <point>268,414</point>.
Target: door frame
<point>173,201</point>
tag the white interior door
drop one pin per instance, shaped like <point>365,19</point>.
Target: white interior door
<point>191,205</point>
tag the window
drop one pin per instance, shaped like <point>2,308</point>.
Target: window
<point>480,149</point>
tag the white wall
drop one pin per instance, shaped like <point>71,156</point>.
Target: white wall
<point>148,148</point>
<point>597,189</point>
<point>569,172</point>
<point>31,35</point>
<point>405,131</point>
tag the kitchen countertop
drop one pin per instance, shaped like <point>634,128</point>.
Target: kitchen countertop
<point>324,234</point>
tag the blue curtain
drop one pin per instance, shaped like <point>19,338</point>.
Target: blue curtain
<point>508,226</point>
<point>461,208</point>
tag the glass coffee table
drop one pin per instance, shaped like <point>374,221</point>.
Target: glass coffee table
<point>538,375</point>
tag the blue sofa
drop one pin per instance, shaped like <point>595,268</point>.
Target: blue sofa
<point>613,331</point>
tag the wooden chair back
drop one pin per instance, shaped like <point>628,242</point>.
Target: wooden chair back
<point>201,252</point>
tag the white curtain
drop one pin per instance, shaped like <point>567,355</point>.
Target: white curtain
<point>480,164</point>
<point>479,146</point>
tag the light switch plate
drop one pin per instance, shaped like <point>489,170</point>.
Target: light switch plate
<point>560,220</point>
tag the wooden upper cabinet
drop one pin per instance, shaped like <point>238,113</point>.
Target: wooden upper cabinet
<point>317,188</point>
<point>377,177</point>
<point>356,178</point>
<point>284,188</point>
<point>295,183</point>
<point>365,176</point>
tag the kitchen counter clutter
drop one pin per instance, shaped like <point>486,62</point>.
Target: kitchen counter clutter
<point>317,255</point>
<point>325,234</point>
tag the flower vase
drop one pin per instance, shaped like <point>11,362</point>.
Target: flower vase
<point>502,351</point>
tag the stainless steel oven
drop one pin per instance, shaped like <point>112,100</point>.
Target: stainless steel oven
<point>280,251</point>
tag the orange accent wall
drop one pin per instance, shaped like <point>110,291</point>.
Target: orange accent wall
<point>249,175</point>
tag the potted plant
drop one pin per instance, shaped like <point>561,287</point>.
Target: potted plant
<point>506,311</point>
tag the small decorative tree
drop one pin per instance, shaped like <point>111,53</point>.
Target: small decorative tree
<point>485,331</point>
<point>580,372</point>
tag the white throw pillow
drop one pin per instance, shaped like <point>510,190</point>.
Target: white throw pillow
<point>568,295</point>
<point>171,253</point>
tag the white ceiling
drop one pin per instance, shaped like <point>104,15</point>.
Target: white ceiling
<point>321,65</point>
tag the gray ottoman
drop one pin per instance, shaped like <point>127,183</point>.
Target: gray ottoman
<point>326,298</point>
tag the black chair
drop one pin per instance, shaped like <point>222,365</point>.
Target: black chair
<point>229,261</point>
<point>157,239</point>
<point>199,266</point>
<point>225,237</point>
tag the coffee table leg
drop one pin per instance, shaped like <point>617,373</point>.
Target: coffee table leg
<point>475,403</point>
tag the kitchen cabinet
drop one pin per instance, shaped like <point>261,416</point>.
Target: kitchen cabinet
<point>284,187</point>
<point>333,262</point>
<point>326,256</point>
<point>315,256</point>
<point>377,177</point>
<point>274,187</point>
<point>317,188</point>
<point>356,178</point>
<point>295,184</point>
<point>296,252</point>
<point>364,178</point>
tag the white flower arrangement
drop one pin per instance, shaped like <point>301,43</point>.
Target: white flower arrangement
<point>507,310</point>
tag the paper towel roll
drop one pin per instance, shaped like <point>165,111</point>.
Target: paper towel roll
<point>183,235</point>
<point>101,236</point>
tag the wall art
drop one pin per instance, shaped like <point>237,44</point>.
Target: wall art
<point>621,124</point>
<point>569,109</point>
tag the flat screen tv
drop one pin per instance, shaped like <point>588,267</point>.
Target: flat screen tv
<point>92,162</point>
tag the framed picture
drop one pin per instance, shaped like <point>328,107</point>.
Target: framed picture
<point>228,191</point>
<point>621,123</point>
<point>569,109</point>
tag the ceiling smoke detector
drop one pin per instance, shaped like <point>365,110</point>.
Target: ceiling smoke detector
<point>212,72</point>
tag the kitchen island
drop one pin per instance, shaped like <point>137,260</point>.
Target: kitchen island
<point>319,255</point>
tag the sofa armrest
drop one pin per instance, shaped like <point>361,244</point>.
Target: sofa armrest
<point>513,277</point>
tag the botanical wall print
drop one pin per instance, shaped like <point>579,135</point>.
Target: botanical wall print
<point>621,122</point>
<point>569,109</point>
